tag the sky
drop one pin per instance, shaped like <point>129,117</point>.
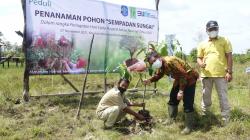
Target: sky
<point>184,18</point>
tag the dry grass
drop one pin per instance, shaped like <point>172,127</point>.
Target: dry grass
<point>54,117</point>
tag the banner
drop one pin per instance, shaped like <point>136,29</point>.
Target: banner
<point>60,31</point>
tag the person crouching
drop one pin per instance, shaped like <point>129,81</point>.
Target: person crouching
<point>114,105</point>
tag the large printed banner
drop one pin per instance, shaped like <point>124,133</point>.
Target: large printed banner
<point>60,32</point>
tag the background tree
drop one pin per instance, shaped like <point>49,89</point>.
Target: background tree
<point>242,58</point>
<point>248,51</point>
<point>1,39</point>
<point>131,44</point>
<point>161,48</point>
<point>9,49</point>
<point>178,51</point>
<point>1,34</point>
<point>193,55</point>
<point>1,44</point>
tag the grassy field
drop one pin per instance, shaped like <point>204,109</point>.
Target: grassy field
<point>54,117</point>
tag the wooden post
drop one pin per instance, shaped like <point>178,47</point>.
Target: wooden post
<point>26,69</point>
<point>105,66</point>
<point>155,87</point>
<point>144,92</point>
<point>106,54</point>
<point>22,63</point>
<point>67,80</point>
<point>85,79</point>
<point>157,4</point>
<point>105,82</point>
<point>67,94</point>
<point>26,84</point>
<point>157,8</point>
<point>16,63</point>
<point>1,52</point>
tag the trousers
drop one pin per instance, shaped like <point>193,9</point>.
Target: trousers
<point>221,88</point>
<point>112,115</point>
<point>188,97</point>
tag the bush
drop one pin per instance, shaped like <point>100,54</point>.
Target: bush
<point>241,58</point>
<point>181,55</point>
<point>193,55</point>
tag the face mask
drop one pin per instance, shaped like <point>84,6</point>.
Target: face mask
<point>213,34</point>
<point>157,64</point>
<point>122,90</point>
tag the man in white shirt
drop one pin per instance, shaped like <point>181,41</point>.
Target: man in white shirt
<point>114,105</point>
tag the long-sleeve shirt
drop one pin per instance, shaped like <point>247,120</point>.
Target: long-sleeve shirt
<point>178,69</point>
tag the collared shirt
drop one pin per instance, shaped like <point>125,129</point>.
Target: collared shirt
<point>213,53</point>
<point>178,69</point>
<point>112,98</point>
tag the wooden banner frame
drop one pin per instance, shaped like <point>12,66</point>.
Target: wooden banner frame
<point>26,95</point>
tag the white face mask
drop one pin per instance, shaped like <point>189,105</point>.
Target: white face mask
<point>213,34</point>
<point>157,64</point>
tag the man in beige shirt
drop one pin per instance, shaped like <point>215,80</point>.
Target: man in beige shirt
<point>114,105</point>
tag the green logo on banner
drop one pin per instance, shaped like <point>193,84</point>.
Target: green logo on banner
<point>132,12</point>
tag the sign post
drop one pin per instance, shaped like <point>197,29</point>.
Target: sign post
<point>26,68</point>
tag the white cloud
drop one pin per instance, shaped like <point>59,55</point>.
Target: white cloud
<point>185,19</point>
<point>245,12</point>
<point>150,4</point>
<point>11,20</point>
<point>173,5</point>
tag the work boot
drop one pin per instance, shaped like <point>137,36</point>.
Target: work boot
<point>172,112</point>
<point>205,111</point>
<point>189,117</point>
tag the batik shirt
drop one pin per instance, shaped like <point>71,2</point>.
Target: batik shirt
<point>178,69</point>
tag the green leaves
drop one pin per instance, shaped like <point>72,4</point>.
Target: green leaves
<point>132,43</point>
<point>124,73</point>
<point>150,71</point>
<point>122,70</point>
<point>160,48</point>
<point>163,49</point>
